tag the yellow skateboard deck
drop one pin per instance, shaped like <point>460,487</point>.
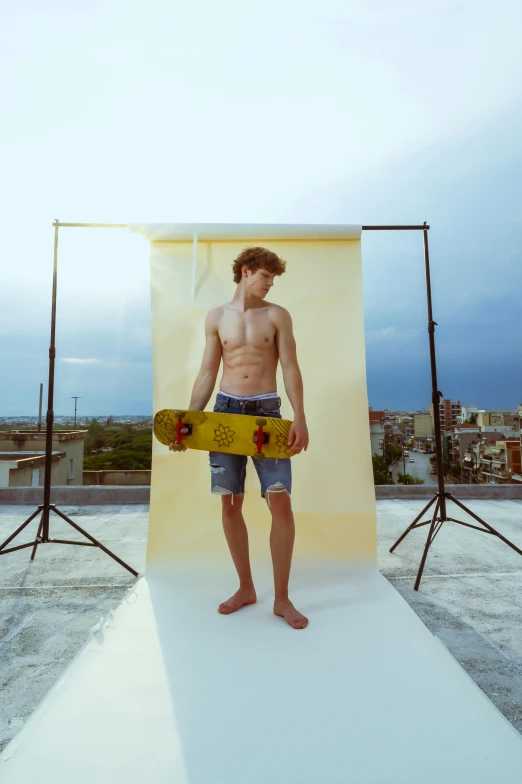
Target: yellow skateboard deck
<point>234,434</point>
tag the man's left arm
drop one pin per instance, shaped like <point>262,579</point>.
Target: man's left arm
<point>293,381</point>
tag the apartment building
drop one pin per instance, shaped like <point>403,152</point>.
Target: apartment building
<point>377,432</point>
<point>508,422</point>
<point>465,435</point>
<point>422,426</point>
<point>494,462</point>
<point>450,414</point>
<point>423,431</point>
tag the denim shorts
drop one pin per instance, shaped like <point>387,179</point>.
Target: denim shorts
<point>228,472</point>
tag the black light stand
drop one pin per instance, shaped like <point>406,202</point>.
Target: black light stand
<point>439,514</point>
<point>42,537</point>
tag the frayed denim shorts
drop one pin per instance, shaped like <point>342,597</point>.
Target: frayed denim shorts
<point>228,472</point>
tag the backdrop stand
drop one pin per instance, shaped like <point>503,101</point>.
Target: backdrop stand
<point>42,536</point>
<point>439,499</point>
<point>439,513</point>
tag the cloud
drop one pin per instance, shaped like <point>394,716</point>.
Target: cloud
<point>79,361</point>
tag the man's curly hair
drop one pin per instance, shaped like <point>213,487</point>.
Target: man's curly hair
<point>257,258</point>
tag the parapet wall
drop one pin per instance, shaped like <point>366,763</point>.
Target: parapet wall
<point>127,494</point>
<point>485,491</point>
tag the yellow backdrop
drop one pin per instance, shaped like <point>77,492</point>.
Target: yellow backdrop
<point>333,493</point>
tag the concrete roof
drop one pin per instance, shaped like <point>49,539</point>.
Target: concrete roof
<point>469,594</point>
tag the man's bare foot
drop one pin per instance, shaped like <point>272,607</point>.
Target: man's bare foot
<point>240,598</point>
<point>285,609</point>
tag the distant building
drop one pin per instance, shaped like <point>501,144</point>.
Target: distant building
<point>509,421</point>
<point>22,458</point>
<point>450,414</point>
<point>423,431</point>
<point>493,462</point>
<point>463,436</point>
<point>507,431</point>
<point>468,410</point>
<point>422,426</point>
<point>377,432</point>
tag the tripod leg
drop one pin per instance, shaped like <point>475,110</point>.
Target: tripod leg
<point>489,527</point>
<point>19,529</point>
<point>428,542</point>
<point>36,540</point>
<point>95,541</point>
<point>412,525</point>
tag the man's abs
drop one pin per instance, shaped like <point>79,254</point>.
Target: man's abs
<point>248,378</point>
<point>249,352</point>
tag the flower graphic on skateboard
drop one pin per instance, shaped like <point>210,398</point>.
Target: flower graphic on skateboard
<point>224,435</point>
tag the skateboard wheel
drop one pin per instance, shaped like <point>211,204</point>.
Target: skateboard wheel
<point>180,414</point>
<point>260,422</point>
<point>177,447</point>
<point>258,456</point>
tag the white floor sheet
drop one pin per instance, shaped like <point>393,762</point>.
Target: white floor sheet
<point>168,691</point>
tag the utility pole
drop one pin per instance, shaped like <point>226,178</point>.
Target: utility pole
<point>40,409</point>
<point>75,398</point>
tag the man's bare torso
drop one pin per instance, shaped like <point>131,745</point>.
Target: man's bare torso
<point>249,349</point>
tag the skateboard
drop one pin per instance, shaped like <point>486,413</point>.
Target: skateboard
<point>234,434</point>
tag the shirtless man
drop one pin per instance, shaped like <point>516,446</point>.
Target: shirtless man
<point>252,336</point>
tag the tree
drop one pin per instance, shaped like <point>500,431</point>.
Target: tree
<point>452,470</point>
<point>121,459</point>
<point>408,479</point>
<point>381,475</point>
<point>121,439</point>
<point>130,450</point>
<point>392,452</point>
<point>472,419</point>
<point>96,439</point>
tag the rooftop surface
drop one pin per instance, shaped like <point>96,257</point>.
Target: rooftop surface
<point>469,595</point>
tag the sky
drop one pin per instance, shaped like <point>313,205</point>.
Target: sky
<point>261,112</point>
